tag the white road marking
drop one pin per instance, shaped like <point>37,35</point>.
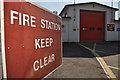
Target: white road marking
<point>94,46</point>
<point>102,51</point>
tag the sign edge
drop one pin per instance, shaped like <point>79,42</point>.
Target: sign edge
<point>3,41</point>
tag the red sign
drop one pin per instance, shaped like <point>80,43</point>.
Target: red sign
<point>32,38</point>
<point>110,27</point>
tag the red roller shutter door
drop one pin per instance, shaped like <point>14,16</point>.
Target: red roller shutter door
<point>92,25</point>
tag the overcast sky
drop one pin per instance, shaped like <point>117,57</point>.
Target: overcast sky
<point>58,5</point>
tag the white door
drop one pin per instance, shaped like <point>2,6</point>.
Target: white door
<point>65,31</point>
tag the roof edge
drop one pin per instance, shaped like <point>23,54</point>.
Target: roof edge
<point>86,3</point>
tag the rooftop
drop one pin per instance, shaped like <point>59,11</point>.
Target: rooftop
<point>86,3</point>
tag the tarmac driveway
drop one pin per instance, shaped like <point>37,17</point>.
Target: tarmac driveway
<point>109,51</point>
<point>80,63</point>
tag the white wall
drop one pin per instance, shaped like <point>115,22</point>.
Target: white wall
<point>74,36</point>
<point>119,21</point>
<point>119,9</point>
<point>119,31</point>
<point>65,29</point>
<point>116,32</point>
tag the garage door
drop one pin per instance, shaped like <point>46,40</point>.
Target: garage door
<point>92,25</point>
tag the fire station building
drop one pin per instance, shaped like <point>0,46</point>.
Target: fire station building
<point>89,22</point>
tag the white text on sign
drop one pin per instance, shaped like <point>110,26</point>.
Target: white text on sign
<point>43,42</point>
<point>23,19</point>
<point>27,20</point>
<point>38,64</point>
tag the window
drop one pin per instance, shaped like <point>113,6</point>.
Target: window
<point>63,28</point>
<point>84,28</point>
<point>99,29</point>
<point>92,29</point>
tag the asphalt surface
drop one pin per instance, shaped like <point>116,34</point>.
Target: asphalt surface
<point>79,62</point>
<point>74,50</point>
<point>109,51</point>
<point>104,48</point>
